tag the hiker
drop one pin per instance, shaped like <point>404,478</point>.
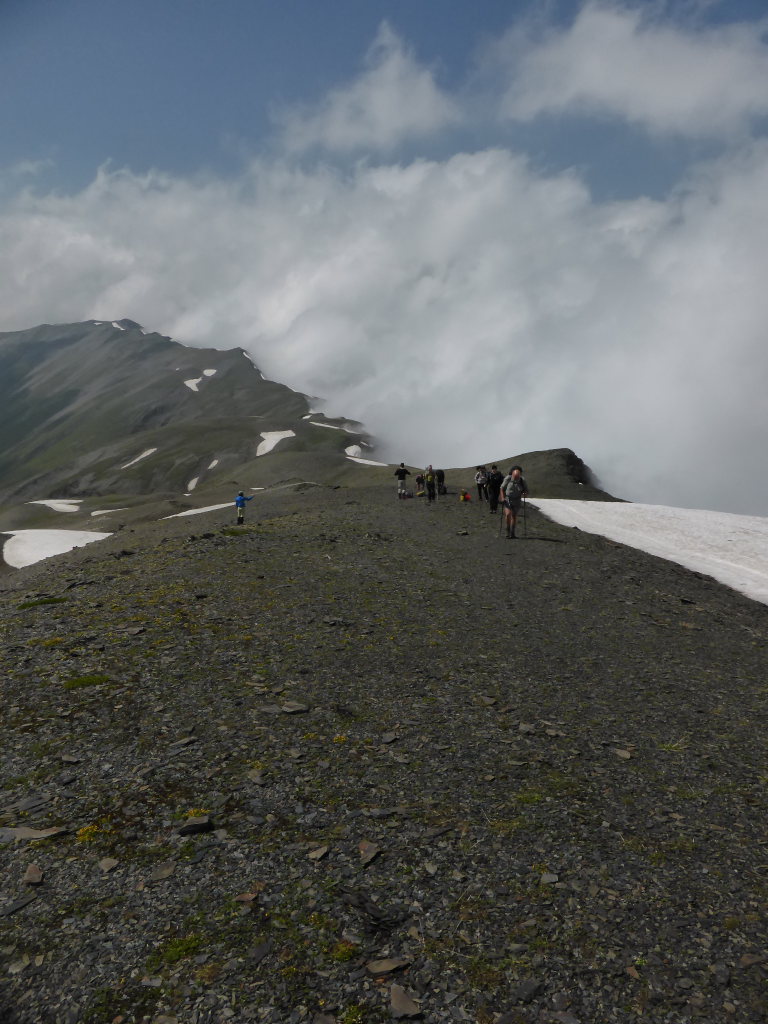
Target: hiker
<point>430,481</point>
<point>481,479</point>
<point>240,501</point>
<point>495,480</point>
<point>420,482</point>
<point>440,475</point>
<point>401,473</point>
<point>512,492</point>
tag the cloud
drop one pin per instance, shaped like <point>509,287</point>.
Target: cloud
<point>625,62</point>
<point>393,100</point>
<point>464,309</point>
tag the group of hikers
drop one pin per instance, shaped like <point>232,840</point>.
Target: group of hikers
<point>492,486</point>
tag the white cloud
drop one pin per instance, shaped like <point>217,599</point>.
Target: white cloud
<point>466,309</point>
<point>628,63</point>
<point>393,100</point>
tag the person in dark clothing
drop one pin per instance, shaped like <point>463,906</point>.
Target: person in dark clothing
<point>495,480</point>
<point>512,491</point>
<point>431,482</point>
<point>440,476</point>
<point>401,473</point>
<point>240,501</point>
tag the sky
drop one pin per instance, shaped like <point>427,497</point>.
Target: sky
<point>481,229</point>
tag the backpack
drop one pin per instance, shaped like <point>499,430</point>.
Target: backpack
<point>514,490</point>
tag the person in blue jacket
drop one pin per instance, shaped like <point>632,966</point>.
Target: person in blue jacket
<point>240,501</point>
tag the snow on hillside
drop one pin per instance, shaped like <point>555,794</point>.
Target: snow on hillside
<point>59,504</point>
<point>144,455</point>
<point>271,438</point>
<point>732,548</point>
<point>25,547</point>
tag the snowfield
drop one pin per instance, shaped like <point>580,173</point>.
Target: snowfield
<point>144,455</point>
<point>199,511</point>
<point>271,438</point>
<point>59,504</point>
<point>731,548</point>
<point>25,547</point>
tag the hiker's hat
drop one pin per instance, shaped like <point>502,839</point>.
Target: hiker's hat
<point>240,494</point>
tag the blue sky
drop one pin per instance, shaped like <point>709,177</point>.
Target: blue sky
<point>567,199</point>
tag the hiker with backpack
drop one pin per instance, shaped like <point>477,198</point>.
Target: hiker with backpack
<point>481,479</point>
<point>401,473</point>
<point>431,483</point>
<point>440,475</point>
<point>513,492</point>
<point>495,480</point>
<point>240,501</point>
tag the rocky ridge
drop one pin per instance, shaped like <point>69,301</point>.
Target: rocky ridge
<point>364,760</point>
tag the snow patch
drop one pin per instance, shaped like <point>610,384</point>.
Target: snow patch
<point>732,548</point>
<point>198,511</point>
<point>144,455</point>
<point>59,504</point>
<point>193,382</point>
<point>192,484</point>
<point>25,547</point>
<point>354,451</point>
<point>208,373</point>
<point>106,511</point>
<point>366,462</point>
<point>214,464</point>
<point>332,426</point>
<point>271,438</point>
<point>117,325</point>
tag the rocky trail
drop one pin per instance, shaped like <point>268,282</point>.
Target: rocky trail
<point>365,760</point>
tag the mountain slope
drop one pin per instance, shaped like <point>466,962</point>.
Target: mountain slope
<point>80,402</point>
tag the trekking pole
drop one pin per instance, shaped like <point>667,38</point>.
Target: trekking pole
<point>525,520</point>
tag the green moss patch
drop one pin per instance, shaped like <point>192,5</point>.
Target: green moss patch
<point>78,682</point>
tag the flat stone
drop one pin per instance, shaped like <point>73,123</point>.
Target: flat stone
<point>24,832</point>
<point>195,826</point>
<point>368,851</point>
<point>386,966</point>
<point>185,741</point>
<point>33,875</point>
<point>163,871</point>
<point>401,1003</point>
<point>318,853</point>
<point>294,707</point>
<point>107,864</point>
<point>13,908</point>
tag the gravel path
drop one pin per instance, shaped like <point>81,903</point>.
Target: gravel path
<point>366,759</point>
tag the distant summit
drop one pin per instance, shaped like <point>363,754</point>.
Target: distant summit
<point>102,407</point>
